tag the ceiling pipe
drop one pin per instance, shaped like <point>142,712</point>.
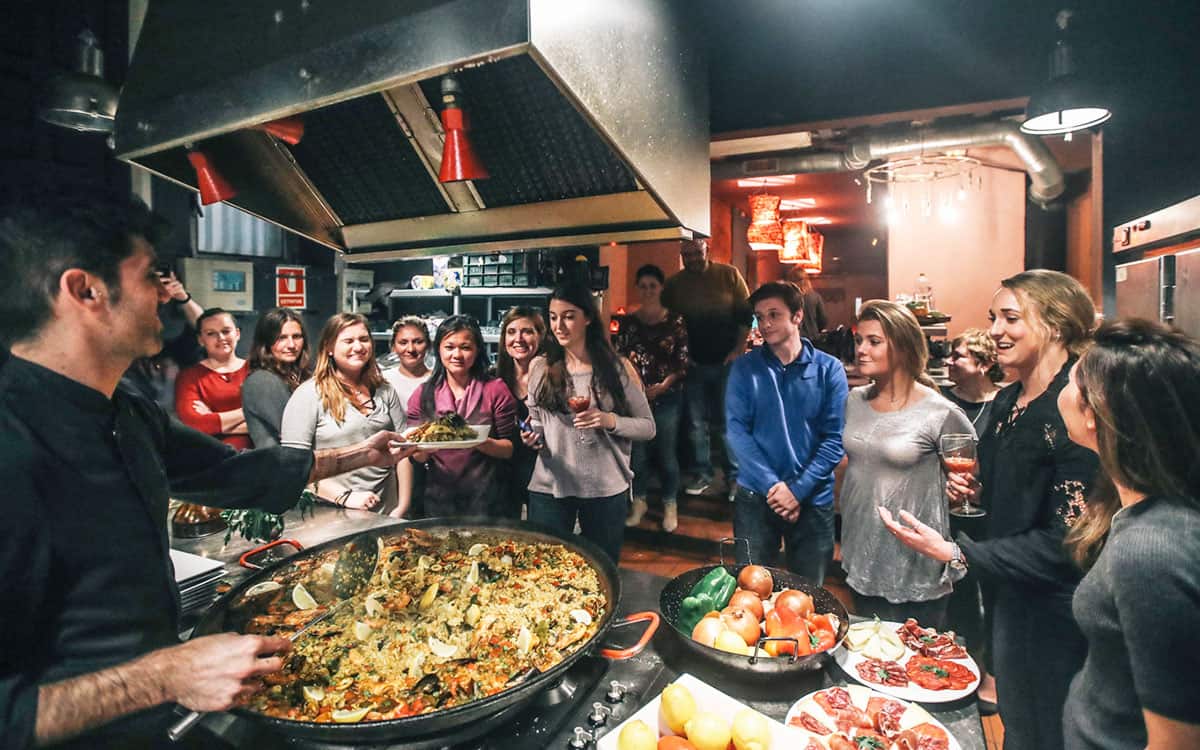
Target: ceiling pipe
<point>1045,176</point>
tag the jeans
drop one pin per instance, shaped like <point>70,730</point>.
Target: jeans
<point>704,390</point>
<point>808,543</point>
<point>663,448</point>
<point>601,519</point>
<point>931,614</point>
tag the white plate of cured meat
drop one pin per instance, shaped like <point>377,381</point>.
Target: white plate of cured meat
<point>843,718</point>
<point>933,669</point>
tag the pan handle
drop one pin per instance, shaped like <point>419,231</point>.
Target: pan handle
<point>635,649</point>
<point>735,540</point>
<point>759,647</point>
<point>244,560</point>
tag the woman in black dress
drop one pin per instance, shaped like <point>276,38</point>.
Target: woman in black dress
<point>1032,481</point>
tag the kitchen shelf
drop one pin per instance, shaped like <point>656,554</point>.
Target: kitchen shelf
<point>478,291</point>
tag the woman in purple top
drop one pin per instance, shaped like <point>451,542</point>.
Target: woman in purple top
<point>464,482</point>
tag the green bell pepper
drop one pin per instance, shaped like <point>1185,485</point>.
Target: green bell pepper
<point>692,610</point>
<point>712,592</point>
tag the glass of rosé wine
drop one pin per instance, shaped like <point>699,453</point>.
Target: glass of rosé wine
<point>579,403</point>
<point>959,457</point>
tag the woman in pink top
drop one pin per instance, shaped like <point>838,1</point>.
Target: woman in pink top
<point>468,482</point>
<point>208,395</point>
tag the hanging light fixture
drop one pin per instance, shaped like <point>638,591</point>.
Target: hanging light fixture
<point>816,252</point>
<point>765,232</point>
<point>1067,102</point>
<point>459,161</point>
<point>81,99</point>
<point>287,129</point>
<point>214,188</point>
<point>795,236</point>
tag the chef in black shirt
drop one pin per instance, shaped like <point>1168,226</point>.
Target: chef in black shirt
<point>89,652</point>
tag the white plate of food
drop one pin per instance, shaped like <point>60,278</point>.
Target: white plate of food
<point>842,718</point>
<point>446,433</point>
<point>908,661</point>
<point>721,715</point>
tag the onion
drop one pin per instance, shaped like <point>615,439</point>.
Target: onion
<point>743,623</point>
<point>707,630</point>
<point>749,601</point>
<point>756,578</point>
<point>800,603</point>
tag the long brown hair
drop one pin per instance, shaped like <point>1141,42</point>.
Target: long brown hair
<point>907,349</point>
<point>506,366</point>
<point>266,333</point>
<point>1141,379</point>
<point>333,392</point>
<point>1060,305</point>
<point>607,365</point>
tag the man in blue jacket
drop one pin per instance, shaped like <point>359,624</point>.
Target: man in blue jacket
<point>785,408</point>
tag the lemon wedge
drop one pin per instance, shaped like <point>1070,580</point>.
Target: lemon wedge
<point>302,599</point>
<point>477,549</point>
<point>342,716</point>
<point>581,616</point>
<point>428,597</point>
<point>473,574</point>
<point>314,693</point>
<point>265,587</point>
<point>444,650</point>
<point>362,631</point>
<point>424,561</point>
<point>472,614</point>
<point>524,640</point>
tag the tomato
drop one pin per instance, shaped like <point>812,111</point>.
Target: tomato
<point>758,579</point>
<point>707,630</point>
<point>797,601</point>
<point>675,743</point>
<point>783,624</point>
<point>749,601</point>
<point>743,623</point>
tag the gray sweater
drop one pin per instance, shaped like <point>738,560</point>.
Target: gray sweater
<point>264,397</point>
<point>894,462</point>
<point>586,463</point>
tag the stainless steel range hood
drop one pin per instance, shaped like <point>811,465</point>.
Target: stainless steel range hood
<point>592,118</point>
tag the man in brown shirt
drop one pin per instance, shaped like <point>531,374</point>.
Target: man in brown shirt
<point>714,301</point>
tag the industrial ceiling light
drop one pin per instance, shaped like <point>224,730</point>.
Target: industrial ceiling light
<point>1067,102</point>
<point>81,99</point>
<point>287,129</point>
<point>459,161</point>
<point>214,188</point>
<point>765,232</point>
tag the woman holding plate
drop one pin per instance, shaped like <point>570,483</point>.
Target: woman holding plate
<point>465,481</point>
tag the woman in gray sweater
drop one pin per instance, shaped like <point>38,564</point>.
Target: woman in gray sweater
<point>279,363</point>
<point>586,407</point>
<point>1134,399</point>
<point>893,430</point>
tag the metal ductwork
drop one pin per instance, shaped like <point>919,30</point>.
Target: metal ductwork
<point>591,118</point>
<point>1045,176</point>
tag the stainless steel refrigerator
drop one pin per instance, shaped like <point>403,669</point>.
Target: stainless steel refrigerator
<point>1158,266</point>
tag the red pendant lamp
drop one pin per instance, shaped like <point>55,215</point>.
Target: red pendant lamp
<point>459,161</point>
<point>816,252</point>
<point>213,187</point>
<point>765,232</point>
<point>287,129</point>
<point>795,236</point>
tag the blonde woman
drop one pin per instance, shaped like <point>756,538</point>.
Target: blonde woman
<point>347,400</point>
<point>893,431</point>
<point>1032,481</point>
<point>973,370</point>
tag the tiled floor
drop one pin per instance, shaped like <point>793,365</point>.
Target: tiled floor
<point>703,522</point>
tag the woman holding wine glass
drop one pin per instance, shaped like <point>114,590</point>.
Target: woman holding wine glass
<point>586,407</point>
<point>1033,481</point>
<point>894,427</point>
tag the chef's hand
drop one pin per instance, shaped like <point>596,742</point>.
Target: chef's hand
<point>385,449</point>
<point>783,502</point>
<point>361,500</point>
<point>961,488</point>
<point>918,536</point>
<point>201,408</point>
<point>594,418</point>
<point>216,672</point>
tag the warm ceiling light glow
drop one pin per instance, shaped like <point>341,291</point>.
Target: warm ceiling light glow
<point>818,220</point>
<point>797,204</point>
<point>765,232</point>
<point>772,181</point>
<point>1070,100</point>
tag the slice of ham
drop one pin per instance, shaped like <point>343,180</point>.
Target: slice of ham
<point>807,721</point>
<point>833,700</point>
<point>885,714</point>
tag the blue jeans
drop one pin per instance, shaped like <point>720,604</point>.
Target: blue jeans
<point>808,543</point>
<point>704,390</point>
<point>601,519</point>
<point>663,448</point>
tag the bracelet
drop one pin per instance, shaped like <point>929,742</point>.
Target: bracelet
<point>342,499</point>
<point>183,301</point>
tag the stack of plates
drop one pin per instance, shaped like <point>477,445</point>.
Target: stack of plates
<point>197,578</point>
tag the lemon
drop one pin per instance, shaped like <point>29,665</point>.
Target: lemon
<point>262,588</point>
<point>581,616</point>
<point>472,614</point>
<point>301,598</point>
<point>750,730</point>
<point>678,707</point>
<point>362,631</point>
<point>637,735</point>
<point>428,597</point>
<point>444,650</point>
<point>707,732</point>
<point>730,641</point>
<point>473,573</point>
<point>524,640</point>
<point>477,549</point>
<point>350,717</point>
<point>314,693</point>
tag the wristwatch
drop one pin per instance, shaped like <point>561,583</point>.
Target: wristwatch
<point>957,561</point>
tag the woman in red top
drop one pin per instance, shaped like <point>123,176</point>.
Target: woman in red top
<point>208,395</point>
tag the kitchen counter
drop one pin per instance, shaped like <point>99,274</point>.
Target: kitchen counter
<point>644,675</point>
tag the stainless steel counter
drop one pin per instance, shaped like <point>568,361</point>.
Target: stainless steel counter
<point>644,676</point>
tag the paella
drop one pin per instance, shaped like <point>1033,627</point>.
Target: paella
<point>444,620</point>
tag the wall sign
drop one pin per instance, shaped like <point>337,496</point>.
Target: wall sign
<point>290,287</point>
